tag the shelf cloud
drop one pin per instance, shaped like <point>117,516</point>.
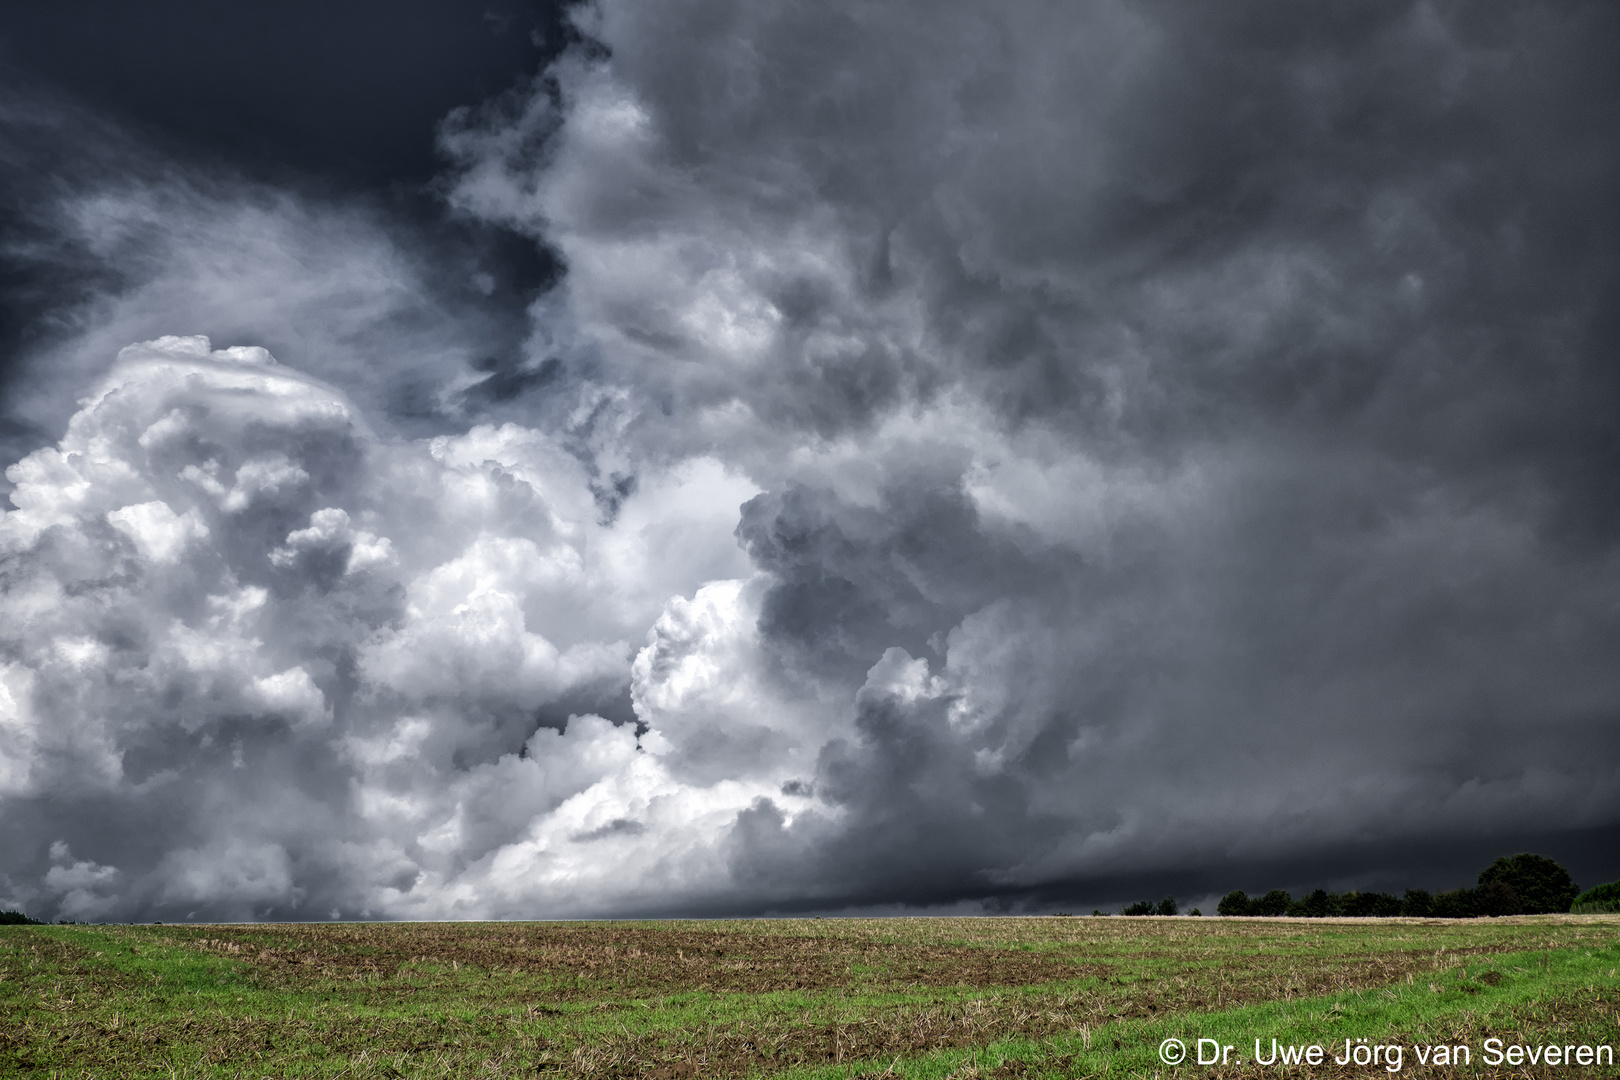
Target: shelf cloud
<point>966,458</point>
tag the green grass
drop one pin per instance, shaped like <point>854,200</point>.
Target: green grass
<point>963,998</point>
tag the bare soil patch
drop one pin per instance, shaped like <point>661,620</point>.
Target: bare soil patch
<point>583,960</point>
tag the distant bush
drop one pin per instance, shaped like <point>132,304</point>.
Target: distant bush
<point>1235,902</point>
<point>1141,907</point>
<point>1527,885</point>
<point>1167,906</point>
<point>1602,900</point>
<point>1195,911</point>
<point>17,918</point>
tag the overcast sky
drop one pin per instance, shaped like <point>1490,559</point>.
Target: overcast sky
<point>723,457</point>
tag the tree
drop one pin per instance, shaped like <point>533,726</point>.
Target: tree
<point>1370,905</point>
<point>1141,907</point>
<point>1274,902</point>
<point>1417,904</point>
<point>1456,904</point>
<point>17,918</point>
<point>1318,905</point>
<point>1539,885</point>
<point>1385,906</point>
<point>1167,906</point>
<point>1235,902</point>
<point>1603,899</point>
<point>1497,898</point>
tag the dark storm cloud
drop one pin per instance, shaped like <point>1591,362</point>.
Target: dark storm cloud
<point>1308,309</point>
<point>1204,700</point>
<point>1000,456</point>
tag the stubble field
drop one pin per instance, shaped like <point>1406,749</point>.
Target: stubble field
<point>934,998</point>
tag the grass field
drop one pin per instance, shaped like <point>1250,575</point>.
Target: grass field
<point>960,998</point>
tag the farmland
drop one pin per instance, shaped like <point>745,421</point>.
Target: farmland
<point>808,998</point>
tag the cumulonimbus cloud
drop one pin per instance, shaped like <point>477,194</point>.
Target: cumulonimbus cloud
<point>328,655</point>
<point>980,451</point>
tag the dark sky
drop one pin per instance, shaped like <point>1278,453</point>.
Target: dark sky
<point>721,457</point>
<point>348,92</point>
<point>340,102</point>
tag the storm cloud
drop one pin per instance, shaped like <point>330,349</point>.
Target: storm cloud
<point>964,457</point>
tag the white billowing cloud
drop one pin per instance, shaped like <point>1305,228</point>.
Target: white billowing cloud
<point>591,821</point>
<point>330,529</point>
<point>230,872</point>
<point>291,693</point>
<point>86,889</point>
<point>159,533</point>
<point>252,477</point>
<point>19,738</point>
<point>219,578</point>
<point>706,685</point>
<point>483,645</point>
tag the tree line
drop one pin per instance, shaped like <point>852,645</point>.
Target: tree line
<point>1522,884</point>
<point>17,918</point>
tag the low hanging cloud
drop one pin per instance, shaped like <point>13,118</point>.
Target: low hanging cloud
<point>969,456</point>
